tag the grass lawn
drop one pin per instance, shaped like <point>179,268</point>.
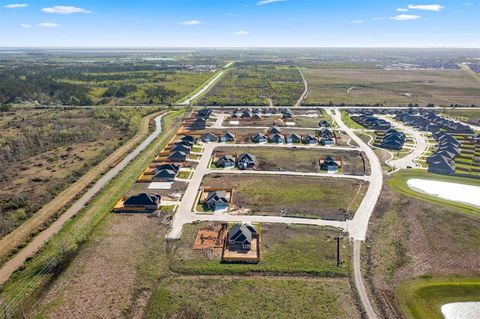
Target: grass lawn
<point>184,174</point>
<point>294,249</point>
<point>314,197</point>
<point>298,160</point>
<point>269,297</point>
<point>398,182</point>
<point>423,297</point>
<point>349,122</point>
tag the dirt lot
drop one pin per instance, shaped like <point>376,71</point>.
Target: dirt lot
<point>299,196</point>
<point>371,86</point>
<point>298,160</point>
<point>410,237</point>
<point>110,276</point>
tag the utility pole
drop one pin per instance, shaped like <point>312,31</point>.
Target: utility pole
<point>338,251</point>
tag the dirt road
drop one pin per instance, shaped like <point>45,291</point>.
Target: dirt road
<point>305,91</point>
<point>17,261</point>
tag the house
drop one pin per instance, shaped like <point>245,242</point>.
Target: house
<point>185,143</point>
<point>277,138</point>
<point>327,141</point>
<point>164,175</point>
<point>204,112</point>
<point>259,138</point>
<point>227,137</point>
<point>293,138</point>
<point>329,164</point>
<point>245,160</point>
<point>309,139</point>
<point>241,236</point>
<point>209,137</point>
<point>181,148</point>
<point>323,123</point>
<point>441,165</point>
<point>189,138</point>
<point>142,202</point>
<point>226,161</point>
<point>216,200</point>
<point>198,124</point>
<point>177,156</point>
<point>287,115</point>
<point>169,166</point>
<point>274,130</point>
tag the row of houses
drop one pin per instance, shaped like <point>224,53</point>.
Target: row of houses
<point>199,122</point>
<point>243,161</point>
<point>223,138</point>
<point>368,120</point>
<point>442,161</point>
<point>431,122</point>
<point>181,149</point>
<point>257,112</point>
<point>325,137</point>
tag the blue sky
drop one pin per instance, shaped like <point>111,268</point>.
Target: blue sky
<point>240,23</point>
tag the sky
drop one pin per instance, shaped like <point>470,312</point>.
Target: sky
<point>239,23</point>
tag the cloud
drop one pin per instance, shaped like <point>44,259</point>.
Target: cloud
<point>48,25</point>
<point>428,7</point>
<point>241,32</point>
<point>405,17</point>
<point>191,22</point>
<point>15,5</point>
<point>357,21</point>
<point>25,25</point>
<point>264,2</point>
<point>467,4</point>
<point>402,9</point>
<point>378,18</point>
<point>64,10</point>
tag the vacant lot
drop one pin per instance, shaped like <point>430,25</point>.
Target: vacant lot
<point>410,237</point>
<point>256,85</point>
<point>293,249</point>
<point>376,86</point>
<point>317,197</point>
<point>269,297</point>
<point>299,160</point>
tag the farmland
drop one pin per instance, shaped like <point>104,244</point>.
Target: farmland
<point>299,160</point>
<point>298,196</point>
<point>391,87</point>
<point>256,85</point>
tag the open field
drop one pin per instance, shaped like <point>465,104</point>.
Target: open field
<point>299,160</point>
<point>424,296</point>
<point>63,246</point>
<point>255,84</point>
<point>411,236</point>
<point>266,297</point>
<point>34,173</point>
<point>284,249</point>
<point>391,87</point>
<point>298,196</point>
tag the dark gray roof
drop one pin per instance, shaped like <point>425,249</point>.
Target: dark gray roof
<point>142,199</point>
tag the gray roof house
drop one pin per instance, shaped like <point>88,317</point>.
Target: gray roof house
<point>245,160</point>
<point>441,165</point>
<point>293,138</point>
<point>216,200</point>
<point>277,138</point>
<point>209,137</point>
<point>227,137</point>
<point>274,130</point>
<point>309,139</point>
<point>172,167</point>
<point>259,138</point>
<point>226,161</point>
<point>164,175</point>
<point>323,123</point>
<point>177,156</point>
<point>329,164</point>
<point>143,201</point>
<point>241,237</point>
<point>181,148</point>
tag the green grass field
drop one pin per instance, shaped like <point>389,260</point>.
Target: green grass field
<point>423,297</point>
<point>285,249</point>
<point>279,298</point>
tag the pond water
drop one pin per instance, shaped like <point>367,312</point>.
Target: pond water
<point>461,310</point>
<point>467,194</point>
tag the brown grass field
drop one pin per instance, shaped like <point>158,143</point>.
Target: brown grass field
<point>371,86</point>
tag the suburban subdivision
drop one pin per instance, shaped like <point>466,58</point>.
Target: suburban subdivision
<point>222,185</point>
